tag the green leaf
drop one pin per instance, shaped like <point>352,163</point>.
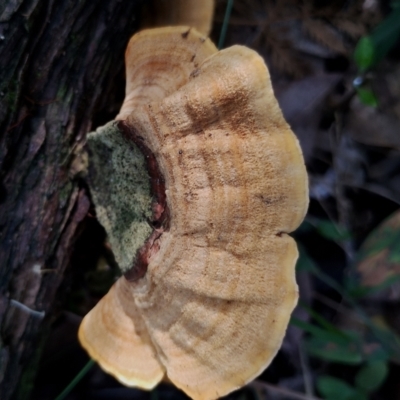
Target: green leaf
<point>386,235</point>
<point>336,337</point>
<point>378,353</point>
<point>364,54</point>
<point>395,4</point>
<point>329,230</point>
<point>394,255</point>
<point>390,341</point>
<point>386,34</point>
<point>349,353</point>
<point>357,396</point>
<point>373,48</point>
<point>371,376</point>
<point>334,389</point>
<point>367,96</point>
<point>349,336</point>
<point>358,292</point>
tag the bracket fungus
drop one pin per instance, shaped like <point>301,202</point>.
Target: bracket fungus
<point>209,286</point>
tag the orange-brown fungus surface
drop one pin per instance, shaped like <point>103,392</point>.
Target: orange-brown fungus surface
<point>212,308</point>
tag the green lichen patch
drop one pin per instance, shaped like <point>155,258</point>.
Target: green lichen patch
<point>120,188</point>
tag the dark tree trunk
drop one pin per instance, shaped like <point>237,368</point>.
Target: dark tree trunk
<point>59,60</point>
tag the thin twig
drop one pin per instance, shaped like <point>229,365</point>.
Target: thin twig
<point>284,391</point>
<point>380,191</point>
<point>343,208</point>
<point>26,115</point>
<point>340,308</point>
<point>40,103</point>
<point>23,307</point>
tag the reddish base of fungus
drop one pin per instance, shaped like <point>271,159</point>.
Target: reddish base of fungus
<point>160,211</point>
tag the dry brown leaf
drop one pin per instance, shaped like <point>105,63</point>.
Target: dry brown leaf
<point>372,126</point>
<point>332,24</point>
<point>380,254</point>
<point>355,29</point>
<point>324,34</point>
<point>283,57</point>
<point>379,261</point>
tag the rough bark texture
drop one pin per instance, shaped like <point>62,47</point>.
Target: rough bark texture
<point>58,62</point>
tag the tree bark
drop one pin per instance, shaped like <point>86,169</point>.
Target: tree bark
<point>59,66</point>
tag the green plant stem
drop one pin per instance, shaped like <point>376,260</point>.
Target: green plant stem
<point>154,394</point>
<point>224,28</point>
<point>308,386</point>
<point>76,380</point>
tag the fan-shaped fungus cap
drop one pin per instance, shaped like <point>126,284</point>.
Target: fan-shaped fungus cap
<point>210,294</point>
<point>159,62</point>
